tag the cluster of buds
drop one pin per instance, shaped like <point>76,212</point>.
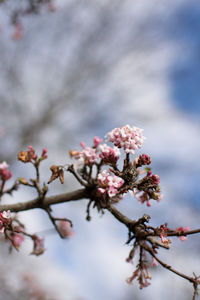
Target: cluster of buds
<point>11,231</point>
<point>91,155</point>
<point>15,233</point>
<point>27,156</point>
<point>87,156</point>
<point>109,184</point>
<point>148,188</point>
<point>142,274</point>
<point>108,154</point>
<point>126,137</point>
<point>142,160</point>
<point>129,139</point>
<point>5,173</point>
<point>31,156</point>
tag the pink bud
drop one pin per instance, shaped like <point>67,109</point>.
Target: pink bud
<point>143,159</point>
<point>155,178</point>
<point>18,240</point>
<point>96,141</point>
<point>82,145</point>
<point>182,230</point>
<point>44,151</point>
<point>149,173</point>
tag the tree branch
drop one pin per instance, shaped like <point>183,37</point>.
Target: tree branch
<point>119,216</point>
<point>35,203</point>
<point>148,249</point>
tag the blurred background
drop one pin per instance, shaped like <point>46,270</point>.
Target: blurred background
<point>77,73</point>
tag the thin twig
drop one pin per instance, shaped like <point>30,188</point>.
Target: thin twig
<point>119,216</point>
<point>151,252</point>
<point>53,220</point>
<point>71,170</point>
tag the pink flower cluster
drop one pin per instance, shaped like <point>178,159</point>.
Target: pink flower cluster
<point>126,137</point>
<point>5,220</point>
<point>88,155</point>
<point>5,174</point>
<point>109,184</point>
<point>108,154</point>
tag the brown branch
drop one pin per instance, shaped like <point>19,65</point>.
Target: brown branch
<point>10,190</point>
<point>175,233</point>
<point>35,203</point>
<point>178,233</point>
<point>72,171</point>
<point>119,216</point>
<point>53,220</point>
<point>195,293</point>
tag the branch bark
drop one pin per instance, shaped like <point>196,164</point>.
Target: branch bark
<point>36,203</point>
